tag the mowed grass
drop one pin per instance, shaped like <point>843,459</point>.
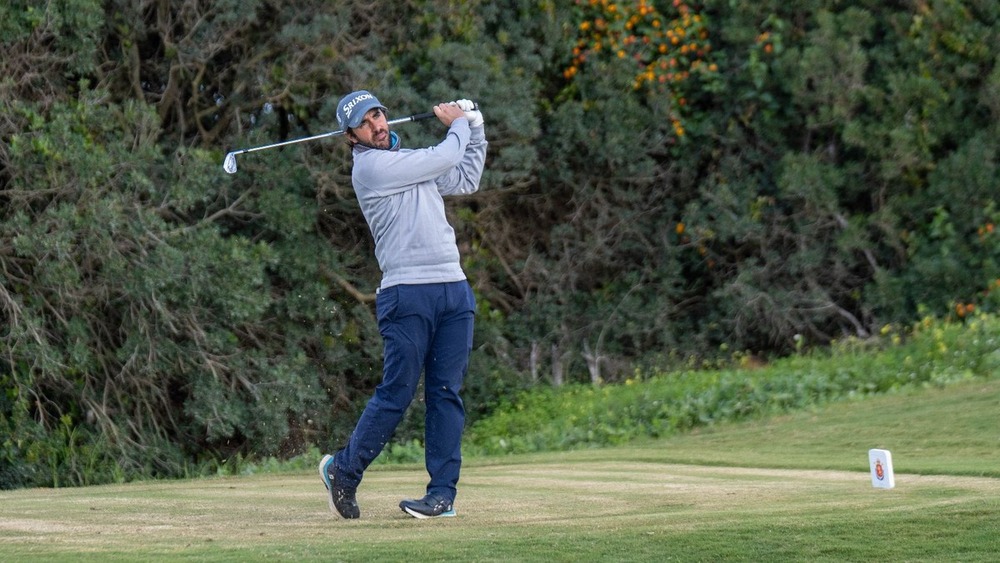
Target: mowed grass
<point>794,487</point>
<point>953,431</point>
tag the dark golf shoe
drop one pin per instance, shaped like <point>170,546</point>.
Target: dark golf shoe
<point>431,506</point>
<point>342,499</point>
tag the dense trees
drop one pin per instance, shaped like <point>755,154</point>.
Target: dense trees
<point>666,180</point>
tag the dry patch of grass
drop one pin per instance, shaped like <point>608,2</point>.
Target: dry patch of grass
<point>561,508</point>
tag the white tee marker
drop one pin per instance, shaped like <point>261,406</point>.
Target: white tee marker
<point>881,466</point>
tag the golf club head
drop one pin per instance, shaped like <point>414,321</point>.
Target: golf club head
<point>230,163</point>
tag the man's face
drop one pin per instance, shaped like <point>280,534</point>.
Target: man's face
<point>373,131</point>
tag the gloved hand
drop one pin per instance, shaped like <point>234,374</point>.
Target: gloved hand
<point>474,116</point>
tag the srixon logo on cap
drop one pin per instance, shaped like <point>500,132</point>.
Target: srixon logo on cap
<point>349,106</point>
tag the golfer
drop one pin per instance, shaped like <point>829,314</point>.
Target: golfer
<point>424,304</point>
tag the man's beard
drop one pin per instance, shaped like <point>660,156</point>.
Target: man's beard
<point>380,142</point>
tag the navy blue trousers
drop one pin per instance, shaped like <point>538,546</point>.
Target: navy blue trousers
<point>426,329</point>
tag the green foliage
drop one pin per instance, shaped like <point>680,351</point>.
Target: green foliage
<point>935,353</point>
<point>955,245</point>
<point>800,172</point>
<point>68,29</point>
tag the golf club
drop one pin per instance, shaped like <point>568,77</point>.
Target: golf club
<point>229,165</point>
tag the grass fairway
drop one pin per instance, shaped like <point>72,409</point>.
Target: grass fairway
<point>794,487</point>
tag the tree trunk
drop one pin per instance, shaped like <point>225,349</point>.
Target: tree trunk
<point>557,366</point>
<point>593,363</point>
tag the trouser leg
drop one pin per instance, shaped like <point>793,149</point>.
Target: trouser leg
<point>405,332</point>
<point>445,369</point>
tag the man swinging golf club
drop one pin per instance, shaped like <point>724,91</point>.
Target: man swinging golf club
<point>424,305</point>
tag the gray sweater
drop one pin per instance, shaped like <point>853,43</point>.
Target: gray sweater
<point>401,195</point>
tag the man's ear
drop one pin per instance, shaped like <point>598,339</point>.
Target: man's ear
<point>351,137</point>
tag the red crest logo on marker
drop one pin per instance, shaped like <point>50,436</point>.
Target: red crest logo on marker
<point>879,472</point>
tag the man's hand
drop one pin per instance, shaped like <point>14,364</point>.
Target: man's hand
<point>474,116</point>
<point>448,112</point>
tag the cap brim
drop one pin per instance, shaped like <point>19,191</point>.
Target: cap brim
<point>359,113</point>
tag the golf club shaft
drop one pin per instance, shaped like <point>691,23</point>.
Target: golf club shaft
<point>229,165</point>
<point>414,117</point>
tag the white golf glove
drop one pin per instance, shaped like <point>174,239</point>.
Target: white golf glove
<point>474,116</point>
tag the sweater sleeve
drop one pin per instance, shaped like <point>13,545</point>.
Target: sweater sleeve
<point>385,173</point>
<point>464,178</point>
